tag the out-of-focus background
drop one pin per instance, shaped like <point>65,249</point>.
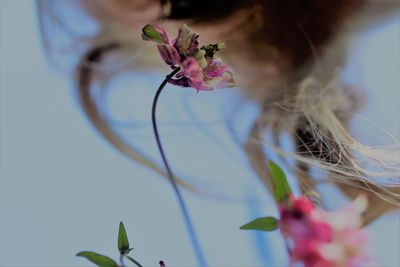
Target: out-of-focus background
<point>64,189</point>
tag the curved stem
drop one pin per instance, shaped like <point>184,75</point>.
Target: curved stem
<point>195,243</point>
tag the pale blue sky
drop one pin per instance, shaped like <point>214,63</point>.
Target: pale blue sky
<point>64,189</point>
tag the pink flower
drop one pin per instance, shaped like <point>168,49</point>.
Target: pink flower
<point>198,67</point>
<point>318,238</point>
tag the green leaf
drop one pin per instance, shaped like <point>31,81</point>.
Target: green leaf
<point>281,187</point>
<point>123,243</point>
<point>262,224</point>
<point>98,259</point>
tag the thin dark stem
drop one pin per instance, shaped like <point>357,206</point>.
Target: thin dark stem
<point>195,243</point>
<point>134,261</point>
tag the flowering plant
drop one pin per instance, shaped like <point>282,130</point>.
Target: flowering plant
<point>192,67</point>
<point>123,248</point>
<point>197,66</point>
<point>315,237</point>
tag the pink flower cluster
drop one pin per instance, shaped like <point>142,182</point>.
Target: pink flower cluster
<point>317,238</point>
<point>198,67</point>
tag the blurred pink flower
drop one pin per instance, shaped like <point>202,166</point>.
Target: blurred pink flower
<point>318,238</point>
<point>198,67</point>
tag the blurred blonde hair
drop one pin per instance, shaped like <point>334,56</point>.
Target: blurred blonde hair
<point>287,56</point>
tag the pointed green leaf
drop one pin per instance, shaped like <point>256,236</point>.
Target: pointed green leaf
<point>123,243</point>
<point>98,259</point>
<point>281,187</point>
<point>261,224</point>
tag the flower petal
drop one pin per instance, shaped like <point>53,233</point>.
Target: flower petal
<point>169,54</point>
<point>218,75</point>
<point>192,76</point>
<point>193,72</point>
<point>199,56</point>
<point>155,33</point>
<point>215,68</point>
<point>186,42</point>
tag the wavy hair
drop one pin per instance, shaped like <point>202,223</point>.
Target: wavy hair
<point>287,56</point>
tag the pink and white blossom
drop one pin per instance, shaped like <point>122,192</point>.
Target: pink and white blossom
<point>318,238</point>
